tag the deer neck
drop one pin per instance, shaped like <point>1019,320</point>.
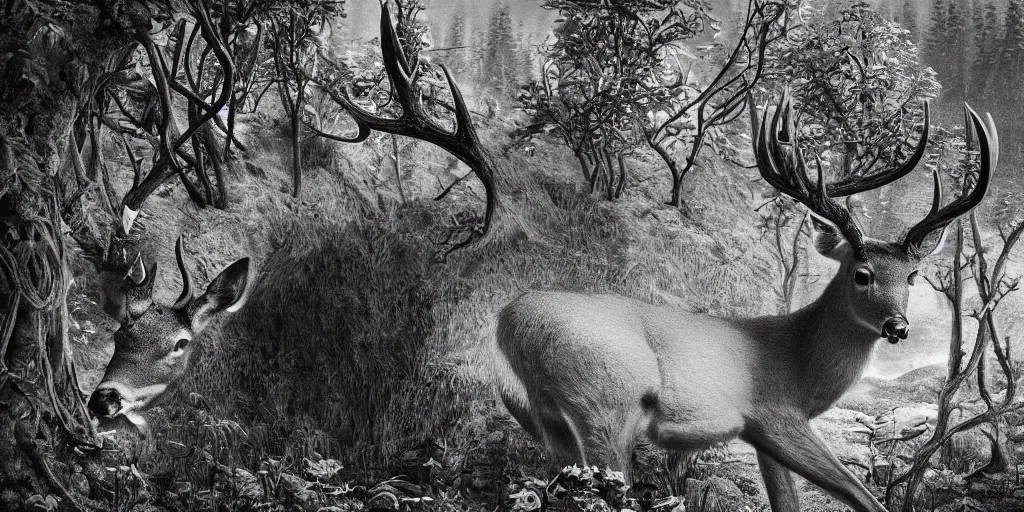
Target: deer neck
<point>832,348</point>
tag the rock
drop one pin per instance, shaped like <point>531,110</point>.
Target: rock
<point>903,423</point>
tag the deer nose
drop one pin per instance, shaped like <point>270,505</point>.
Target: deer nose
<point>896,329</point>
<point>104,403</point>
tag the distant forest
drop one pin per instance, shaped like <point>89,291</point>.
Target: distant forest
<point>976,48</point>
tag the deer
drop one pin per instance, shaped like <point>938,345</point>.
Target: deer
<point>590,374</point>
<point>155,342</point>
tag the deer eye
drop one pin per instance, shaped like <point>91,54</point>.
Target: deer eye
<point>912,277</point>
<point>181,344</point>
<point>863,277</point>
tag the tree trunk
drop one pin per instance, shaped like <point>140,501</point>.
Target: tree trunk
<point>584,166</point>
<point>622,176</point>
<point>296,152</point>
<point>673,168</point>
<point>47,443</point>
<point>218,161</point>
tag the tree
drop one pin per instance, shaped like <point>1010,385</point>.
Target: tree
<point>599,74</point>
<point>1011,58</point>
<point>500,69</point>
<point>992,285</point>
<point>935,46</point>
<point>686,115</point>
<point>296,31</point>
<point>454,41</point>
<point>986,25</point>
<point>860,86</point>
<point>908,18</point>
<point>779,220</point>
<point>958,44</point>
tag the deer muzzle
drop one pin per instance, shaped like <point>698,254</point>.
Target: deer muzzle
<point>105,403</point>
<point>113,398</point>
<point>896,329</point>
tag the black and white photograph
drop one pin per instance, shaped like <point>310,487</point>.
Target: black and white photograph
<point>511,255</point>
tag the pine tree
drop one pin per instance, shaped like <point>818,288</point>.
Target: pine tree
<point>985,57</point>
<point>936,45</point>
<point>455,57</point>
<point>1007,96</point>
<point>908,19</point>
<point>499,62</point>
<point>1011,59</point>
<point>957,57</point>
<point>523,54</point>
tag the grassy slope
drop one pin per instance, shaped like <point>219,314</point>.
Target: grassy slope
<point>358,345</point>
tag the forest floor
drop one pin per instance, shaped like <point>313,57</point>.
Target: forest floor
<point>360,357</point>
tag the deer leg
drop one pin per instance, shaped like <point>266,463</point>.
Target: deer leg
<point>779,483</point>
<point>792,442</point>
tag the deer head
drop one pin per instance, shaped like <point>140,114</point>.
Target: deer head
<point>874,275</point>
<point>154,344</point>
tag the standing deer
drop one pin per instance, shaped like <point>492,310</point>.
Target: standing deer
<point>154,343</point>
<point>592,372</point>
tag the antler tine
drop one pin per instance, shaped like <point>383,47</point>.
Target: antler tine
<point>858,184</point>
<point>186,278</point>
<point>463,121</point>
<point>786,171</point>
<point>395,63</point>
<point>940,216</point>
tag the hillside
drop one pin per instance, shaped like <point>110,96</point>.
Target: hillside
<point>350,306</point>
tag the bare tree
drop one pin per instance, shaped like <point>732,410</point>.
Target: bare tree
<point>681,121</point>
<point>297,28</point>
<point>993,285</point>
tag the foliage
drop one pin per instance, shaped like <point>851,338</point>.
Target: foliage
<point>601,73</point>
<point>992,285</point>
<point>860,86</point>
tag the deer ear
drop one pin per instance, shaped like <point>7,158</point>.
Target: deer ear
<point>828,240</point>
<point>226,293</point>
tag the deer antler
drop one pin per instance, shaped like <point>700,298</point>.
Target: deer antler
<point>940,216</point>
<point>857,184</point>
<point>785,170</point>
<point>414,122</point>
<point>186,278</point>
